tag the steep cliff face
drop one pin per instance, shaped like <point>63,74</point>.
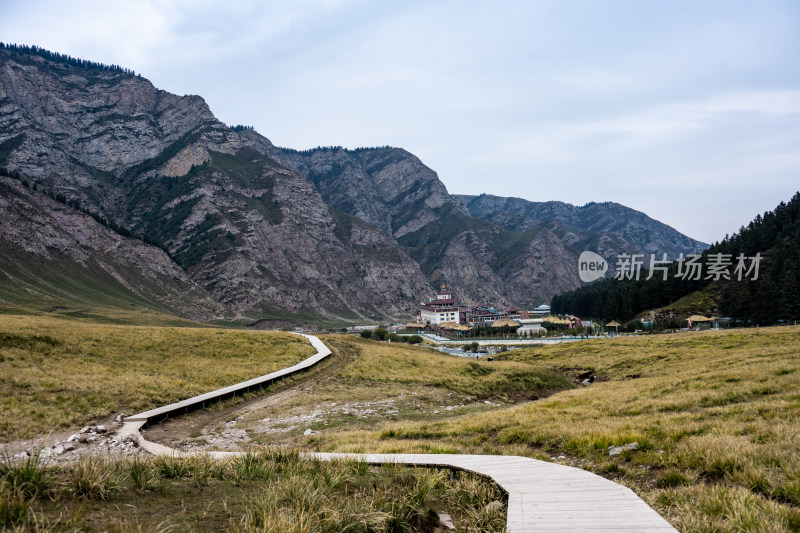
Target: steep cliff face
<point>255,235</point>
<point>485,248</point>
<point>482,262</point>
<point>387,187</point>
<point>477,259</point>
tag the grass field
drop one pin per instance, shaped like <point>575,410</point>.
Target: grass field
<point>370,385</point>
<point>262,491</point>
<point>716,415</point>
<point>57,372</point>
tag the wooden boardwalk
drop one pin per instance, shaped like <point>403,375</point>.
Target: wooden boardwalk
<point>201,401</point>
<point>542,496</point>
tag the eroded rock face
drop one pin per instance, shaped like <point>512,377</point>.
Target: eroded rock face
<point>636,231</point>
<point>539,269</point>
<point>45,242</point>
<point>387,187</point>
<point>486,248</point>
<point>249,232</point>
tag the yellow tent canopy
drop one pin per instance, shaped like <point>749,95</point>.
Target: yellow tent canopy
<point>613,324</point>
<point>415,325</point>
<point>505,322</point>
<point>699,318</point>
<point>462,327</point>
<point>448,325</point>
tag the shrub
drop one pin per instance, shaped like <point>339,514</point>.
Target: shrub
<point>32,477</point>
<point>143,474</point>
<point>171,468</point>
<point>366,334</point>
<point>13,505</point>
<point>94,479</point>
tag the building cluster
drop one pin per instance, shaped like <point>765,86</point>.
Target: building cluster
<point>444,310</point>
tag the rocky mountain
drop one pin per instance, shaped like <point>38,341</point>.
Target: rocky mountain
<point>485,248</point>
<point>639,231</point>
<point>55,254</point>
<point>387,187</point>
<point>253,234</point>
<point>246,228</point>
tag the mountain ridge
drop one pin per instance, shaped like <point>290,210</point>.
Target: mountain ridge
<point>652,236</point>
<point>345,233</point>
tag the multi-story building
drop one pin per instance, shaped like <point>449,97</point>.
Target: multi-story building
<point>441,309</point>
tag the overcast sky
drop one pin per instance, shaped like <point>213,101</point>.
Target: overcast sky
<point>686,110</point>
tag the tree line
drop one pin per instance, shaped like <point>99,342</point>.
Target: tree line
<point>336,149</point>
<point>57,57</point>
<point>773,297</point>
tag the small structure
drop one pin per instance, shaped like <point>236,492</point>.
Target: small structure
<point>418,326</point>
<point>481,314</point>
<point>530,327</point>
<point>505,323</point>
<point>613,324</point>
<point>699,321</point>
<point>542,310</point>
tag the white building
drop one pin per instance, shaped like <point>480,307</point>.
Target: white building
<point>530,326</point>
<point>441,309</point>
<point>542,310</point>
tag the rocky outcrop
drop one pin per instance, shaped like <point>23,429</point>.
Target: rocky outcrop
<point>387,187</point>
<point>484,248</point>
<point>540,268</point>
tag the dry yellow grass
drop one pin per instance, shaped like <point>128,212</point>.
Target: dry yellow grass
<point>261,491</point>
<point>382,362</point>
<point>56,372</point>
<point>716,416</point>
<point>370,384</point>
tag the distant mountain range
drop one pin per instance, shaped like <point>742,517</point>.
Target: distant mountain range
<point>109,186</point>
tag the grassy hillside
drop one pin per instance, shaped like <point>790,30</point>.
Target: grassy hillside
<point>74,291</point>
<point>57,372</point>
<point>716,414</point>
